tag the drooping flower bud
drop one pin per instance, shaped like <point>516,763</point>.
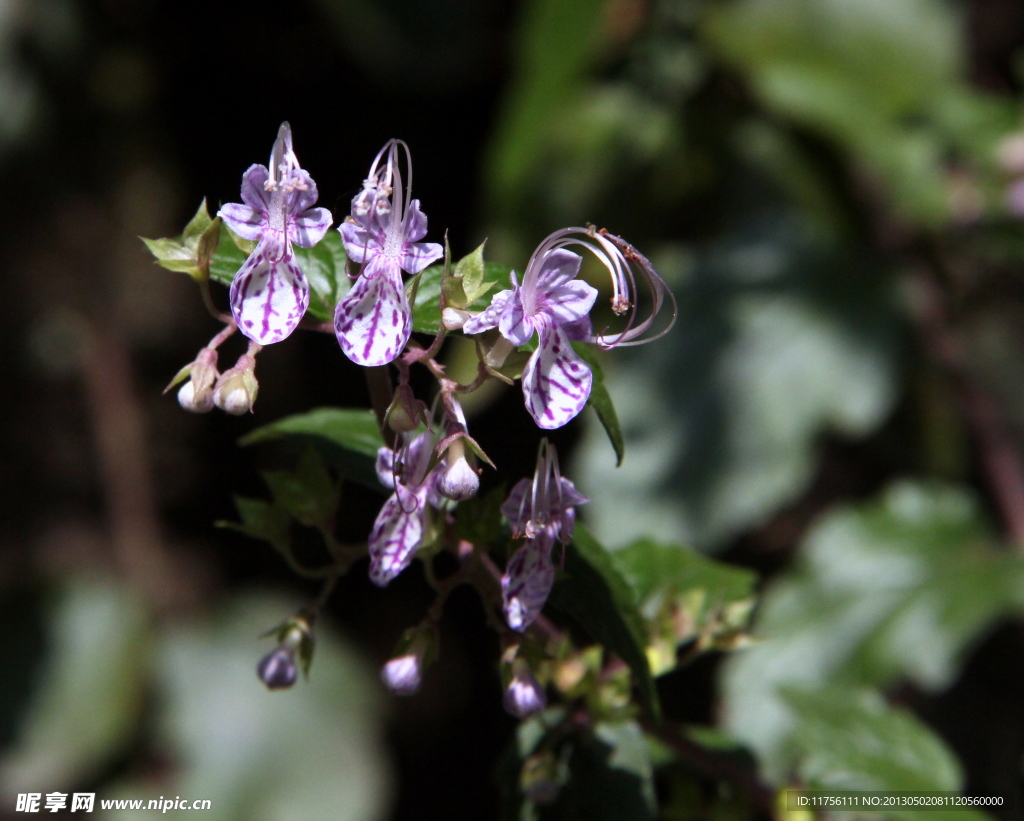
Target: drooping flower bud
<point>196,395</point>
<point>277,669</point>
<point>236,389</point>
<point>415,651</point>
<point>524,696</point>
<point>459,480</point>
<point>454,318</point>
<point>406,412</point>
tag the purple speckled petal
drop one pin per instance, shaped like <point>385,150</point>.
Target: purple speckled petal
<point>518,507</point>
<point>414,227</point>
<point>418,255</point>
<point>557,268</point>
<point>527,582</point>
<point>489,318</point>
<point>254,192</point>
<point>247,222</point>
<point>311,226</point>
<point>514,323</point>
<point>304,198</point>
<point>579,330</point>
<point>373,321</point>
<point>385,467</point>
<point>362,241</point>
<point>396,534</point>
<point>569,302</point>
<point>556,382</point>
<point>268,298</point>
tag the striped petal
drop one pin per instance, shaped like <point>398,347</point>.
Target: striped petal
<point>268,298</point>
<point>248,223</point>
<point>556,382</point>
<point>397,534</point>
<point>373,321</point>
<point>311,226</point>
<point>527,582</point>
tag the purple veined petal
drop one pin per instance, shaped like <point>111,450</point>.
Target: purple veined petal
<point>304,195</point>
<point>373,321</point>
<point>527,582</point>
<point>268,298</point>
<point>311,226</point>
<point>513,323</point>
<point>254,191</point>
<point>361,241</point>
<point>569,302</point>
<point>396,534</point>
<point>570,496</point>
<point>489,318</point>
<point>417,458</point>
<point>385,466</point>
<point>556,382</point>
<point>579,330</point>
<point>418,255</point>
<point>556,269</point>
<point>247,222</point>
<point>518,508</point>
<point>414,225</point>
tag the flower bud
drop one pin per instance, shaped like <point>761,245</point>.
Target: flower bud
<point>277,669</point>
<point>524,696</point>
<point>453,318</point>
<point>406,412</point>
<point>196,395</point>
<point>191,401</point>
<point>459,481</point>
<point>236,389</point>
<point>402,675</point>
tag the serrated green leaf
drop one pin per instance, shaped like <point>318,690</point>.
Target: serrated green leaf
<point>601,401</point>
<point>262,520</point>
<point>347,438</point>
<point>593,592</point>
<point>426,312</point>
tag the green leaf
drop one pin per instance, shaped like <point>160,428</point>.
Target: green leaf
<point>601,401</point>
<point>593,592</point>
<point>262,520</point>
<point>182,254</point>
<point>308,493</point>
<point>228,257</point>
<point>683,596</point>
<point>899,587</point>
<point>348,439</point>
<point>466,285</point>
<point>426,312</point>
<point>852,739</point>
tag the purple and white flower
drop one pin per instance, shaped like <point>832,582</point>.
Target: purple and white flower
<point>402,522</point>
<point>542,509</point>
<point>373,321</point>
<point>269,294</point>
<point>555,305</point>
<point>524,696</point>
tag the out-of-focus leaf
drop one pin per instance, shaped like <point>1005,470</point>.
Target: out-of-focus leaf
<point>262,520</point>
<point>601,401</point>
<point>306,754</point>
<point>89,697</point>
<point>686,596</point>
<point>426,312</point>
<point>594,593</point>
<point>308,493</point>
<point>348,439</point>
<point>899,587</point>
<point>478,520</point>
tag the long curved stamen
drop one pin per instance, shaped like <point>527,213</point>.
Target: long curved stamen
<point>619,258</point>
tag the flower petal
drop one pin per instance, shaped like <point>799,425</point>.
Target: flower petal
<point>519,507</point>
<point>418,255</point>
<point>556,382</point>
<point>569,302</point>
<point>527,582</point>
<point>254,191</point>
<point>396,534</point>
<point>385,467</point>
<point>557,268</point>
<point>414,225</point>
<point>248,223</point>
<point>311,226</point>
<point>489,318</point>
<point>268,298</point>
<point>514,324</point>
<point>373,321</point>
<point>361,241</point>
<point>301,198</point>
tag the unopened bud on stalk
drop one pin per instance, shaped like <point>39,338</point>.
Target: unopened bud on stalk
<point>416,650</point>
<point>236,389</point>
<point>453,318</point>
<point>196,395</point>
<point>277,669</point>
<point>524,696</point>
<point>406,412</point>
<point>459,481</point>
